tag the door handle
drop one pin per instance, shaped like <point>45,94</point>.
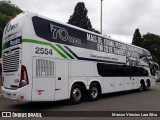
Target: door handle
<point>59,78</point>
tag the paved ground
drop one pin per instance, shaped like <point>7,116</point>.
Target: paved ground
<point>123,101</point>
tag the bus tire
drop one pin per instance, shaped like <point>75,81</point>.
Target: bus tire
<point>76,94</point>
<point>141,87</point>
<point>94,92</point>
<point>147,86</point>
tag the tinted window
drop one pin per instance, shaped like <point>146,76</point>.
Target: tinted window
<point>108,70</point>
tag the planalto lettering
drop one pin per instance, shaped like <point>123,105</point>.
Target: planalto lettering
<point>15,42</point>
<point>132,62</point>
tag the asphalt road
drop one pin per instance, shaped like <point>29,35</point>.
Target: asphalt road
<point>121,101</point>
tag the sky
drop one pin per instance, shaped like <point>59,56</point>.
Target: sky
<point>120,17</point>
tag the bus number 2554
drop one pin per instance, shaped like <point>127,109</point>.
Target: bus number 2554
<point>40,50</point>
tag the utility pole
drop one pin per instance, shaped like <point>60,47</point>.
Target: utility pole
<point>101,18</point>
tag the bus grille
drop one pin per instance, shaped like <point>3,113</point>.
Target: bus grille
<point>11,61</point>
<point>44,68</point>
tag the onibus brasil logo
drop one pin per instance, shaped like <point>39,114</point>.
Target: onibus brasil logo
<point>62,33</point>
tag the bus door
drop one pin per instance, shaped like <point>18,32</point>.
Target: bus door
<point>109,84</point>
<point>61,86</point>
<point>43,79</point>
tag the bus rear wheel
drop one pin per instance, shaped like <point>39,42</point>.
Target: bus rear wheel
<point>94,92</point>
<point>76,94</point>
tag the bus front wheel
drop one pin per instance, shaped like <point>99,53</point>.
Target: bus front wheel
<point>147,86</point>
<point>76,94</point>
<point>141,87</point>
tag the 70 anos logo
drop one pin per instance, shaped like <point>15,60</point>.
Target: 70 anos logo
<point>62,33</point>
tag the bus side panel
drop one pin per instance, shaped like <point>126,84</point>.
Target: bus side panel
<point>27,62</point>
<point>119,83</point>
<point>28,51</point>
<point>81,71</point>
<point>109,84</point>
<point>127,83</point>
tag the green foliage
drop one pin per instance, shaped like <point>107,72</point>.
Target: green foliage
<point>80,18</point>
<point>137,39</point>
<point>7,11</point>
<point>4,18</point>
<point>155,59</point>
<point>151,42</point>
<point>94,30</point>
<point>1,32</point>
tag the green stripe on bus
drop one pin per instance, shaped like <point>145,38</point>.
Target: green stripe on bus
<point>4,46</point>
<point>65,51</point>
<point>44,43</point>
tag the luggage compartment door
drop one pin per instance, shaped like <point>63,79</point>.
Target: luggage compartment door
<point>61,87</point>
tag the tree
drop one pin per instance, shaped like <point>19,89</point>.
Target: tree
<point>96,31</point>
<point>137,39</point>
<point>7,11</point>
<point>80,18</point>
<point>151,42</point>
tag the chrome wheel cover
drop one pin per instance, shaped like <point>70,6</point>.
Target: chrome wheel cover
<point>76,94</point>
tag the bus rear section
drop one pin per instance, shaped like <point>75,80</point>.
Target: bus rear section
<point>14,74</point>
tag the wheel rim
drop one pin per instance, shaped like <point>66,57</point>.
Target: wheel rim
<point>94,92</point>
<point>76,94</point>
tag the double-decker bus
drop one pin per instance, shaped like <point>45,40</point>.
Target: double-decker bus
<point>45,60</point>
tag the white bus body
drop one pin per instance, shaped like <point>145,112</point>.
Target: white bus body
<point>45,60</point>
